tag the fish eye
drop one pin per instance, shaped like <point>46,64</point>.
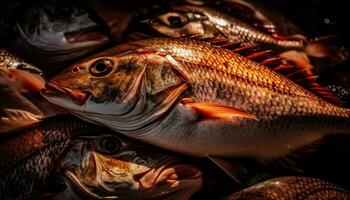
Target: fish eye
<point>174,20</point>
<point>101,67</point>
<point>109,146</point>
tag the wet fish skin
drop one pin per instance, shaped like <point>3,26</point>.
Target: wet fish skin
<point>205,21</point>
<point>290,188</point>
<point>212,22</point>
<point>28,156</point>
<point>9,60</point>
<point>106,165</point>
<point>52,33</point>
<point>141,95</point>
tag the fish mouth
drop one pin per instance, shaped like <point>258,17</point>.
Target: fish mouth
<point>170,171</point>
<point>54,89</point>
<point>92,34</point>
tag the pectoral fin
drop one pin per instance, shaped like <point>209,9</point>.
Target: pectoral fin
<point>217,111</point>
<point>235,170</point>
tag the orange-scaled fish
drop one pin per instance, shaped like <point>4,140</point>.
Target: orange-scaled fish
<point>197,98</point>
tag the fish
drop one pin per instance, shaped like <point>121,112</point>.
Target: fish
<point>196,98</point>
<point>52,33</point>
<point>187,20</point>
<point>28,156</point>
<point>21,104</point>
<point>290,188</point>
<point>106,165</point>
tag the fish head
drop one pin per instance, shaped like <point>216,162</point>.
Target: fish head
<point>112,166</point>
<point>58,27</point>
<point>183,21</point>
<point>115,83</point>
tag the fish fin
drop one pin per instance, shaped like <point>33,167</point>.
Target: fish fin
<point>308,80</point>
<point>257,56</point>
<point>327,46</point>
<point>245,50</point>
<point>272,62</point>
<point>280,36</point>
<point>217,111</point>
<point>234,170</point>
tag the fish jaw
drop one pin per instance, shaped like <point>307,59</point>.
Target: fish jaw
<point>96,175</point>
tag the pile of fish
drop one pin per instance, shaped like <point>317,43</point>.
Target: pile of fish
<point>181,99</point>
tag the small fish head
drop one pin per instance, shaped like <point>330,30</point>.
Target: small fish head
<point>114,166</point>
<point>61,28</point>
<point>180,22</point>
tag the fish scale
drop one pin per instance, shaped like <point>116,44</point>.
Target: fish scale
<point>245,78</point>
<point>290,188</point>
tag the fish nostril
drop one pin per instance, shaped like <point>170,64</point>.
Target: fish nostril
<point>75,69</point>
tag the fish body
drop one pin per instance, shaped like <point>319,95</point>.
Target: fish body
<point>195,98</point>
<point>290,188</point>
<point>187,20</point>
<point>51,33</point>
<point>212,22</point>
<point>28,156</point>
<point>107,166</point>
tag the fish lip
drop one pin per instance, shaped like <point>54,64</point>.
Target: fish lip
<point>162,168</point>
<point>96,33</point>
<point>53,88</point>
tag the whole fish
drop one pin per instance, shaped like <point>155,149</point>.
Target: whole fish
<point>108,166</point>
<point>195,98</point>
<point>51,33</point>
<point>20,102</point>
<point>206,21</point>
<point>28,156</point>
<point>292,188</point>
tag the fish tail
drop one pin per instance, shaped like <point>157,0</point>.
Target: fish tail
<point>327,47</point>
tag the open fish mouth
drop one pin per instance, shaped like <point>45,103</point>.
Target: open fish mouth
<point>54,89</point>
<point>169,171</point>
<point>92,34</point>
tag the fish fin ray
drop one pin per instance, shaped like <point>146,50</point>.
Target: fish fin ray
<point>234,170</point>
<point>217,111</point>
<point>306,78</point>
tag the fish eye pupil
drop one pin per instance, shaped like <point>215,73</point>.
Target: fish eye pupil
<point>175,21</point>
<point>109,146</point>
<point>101,67</point>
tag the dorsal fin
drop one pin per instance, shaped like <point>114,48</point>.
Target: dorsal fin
<point>301,76</point>
<point>308,80</point>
